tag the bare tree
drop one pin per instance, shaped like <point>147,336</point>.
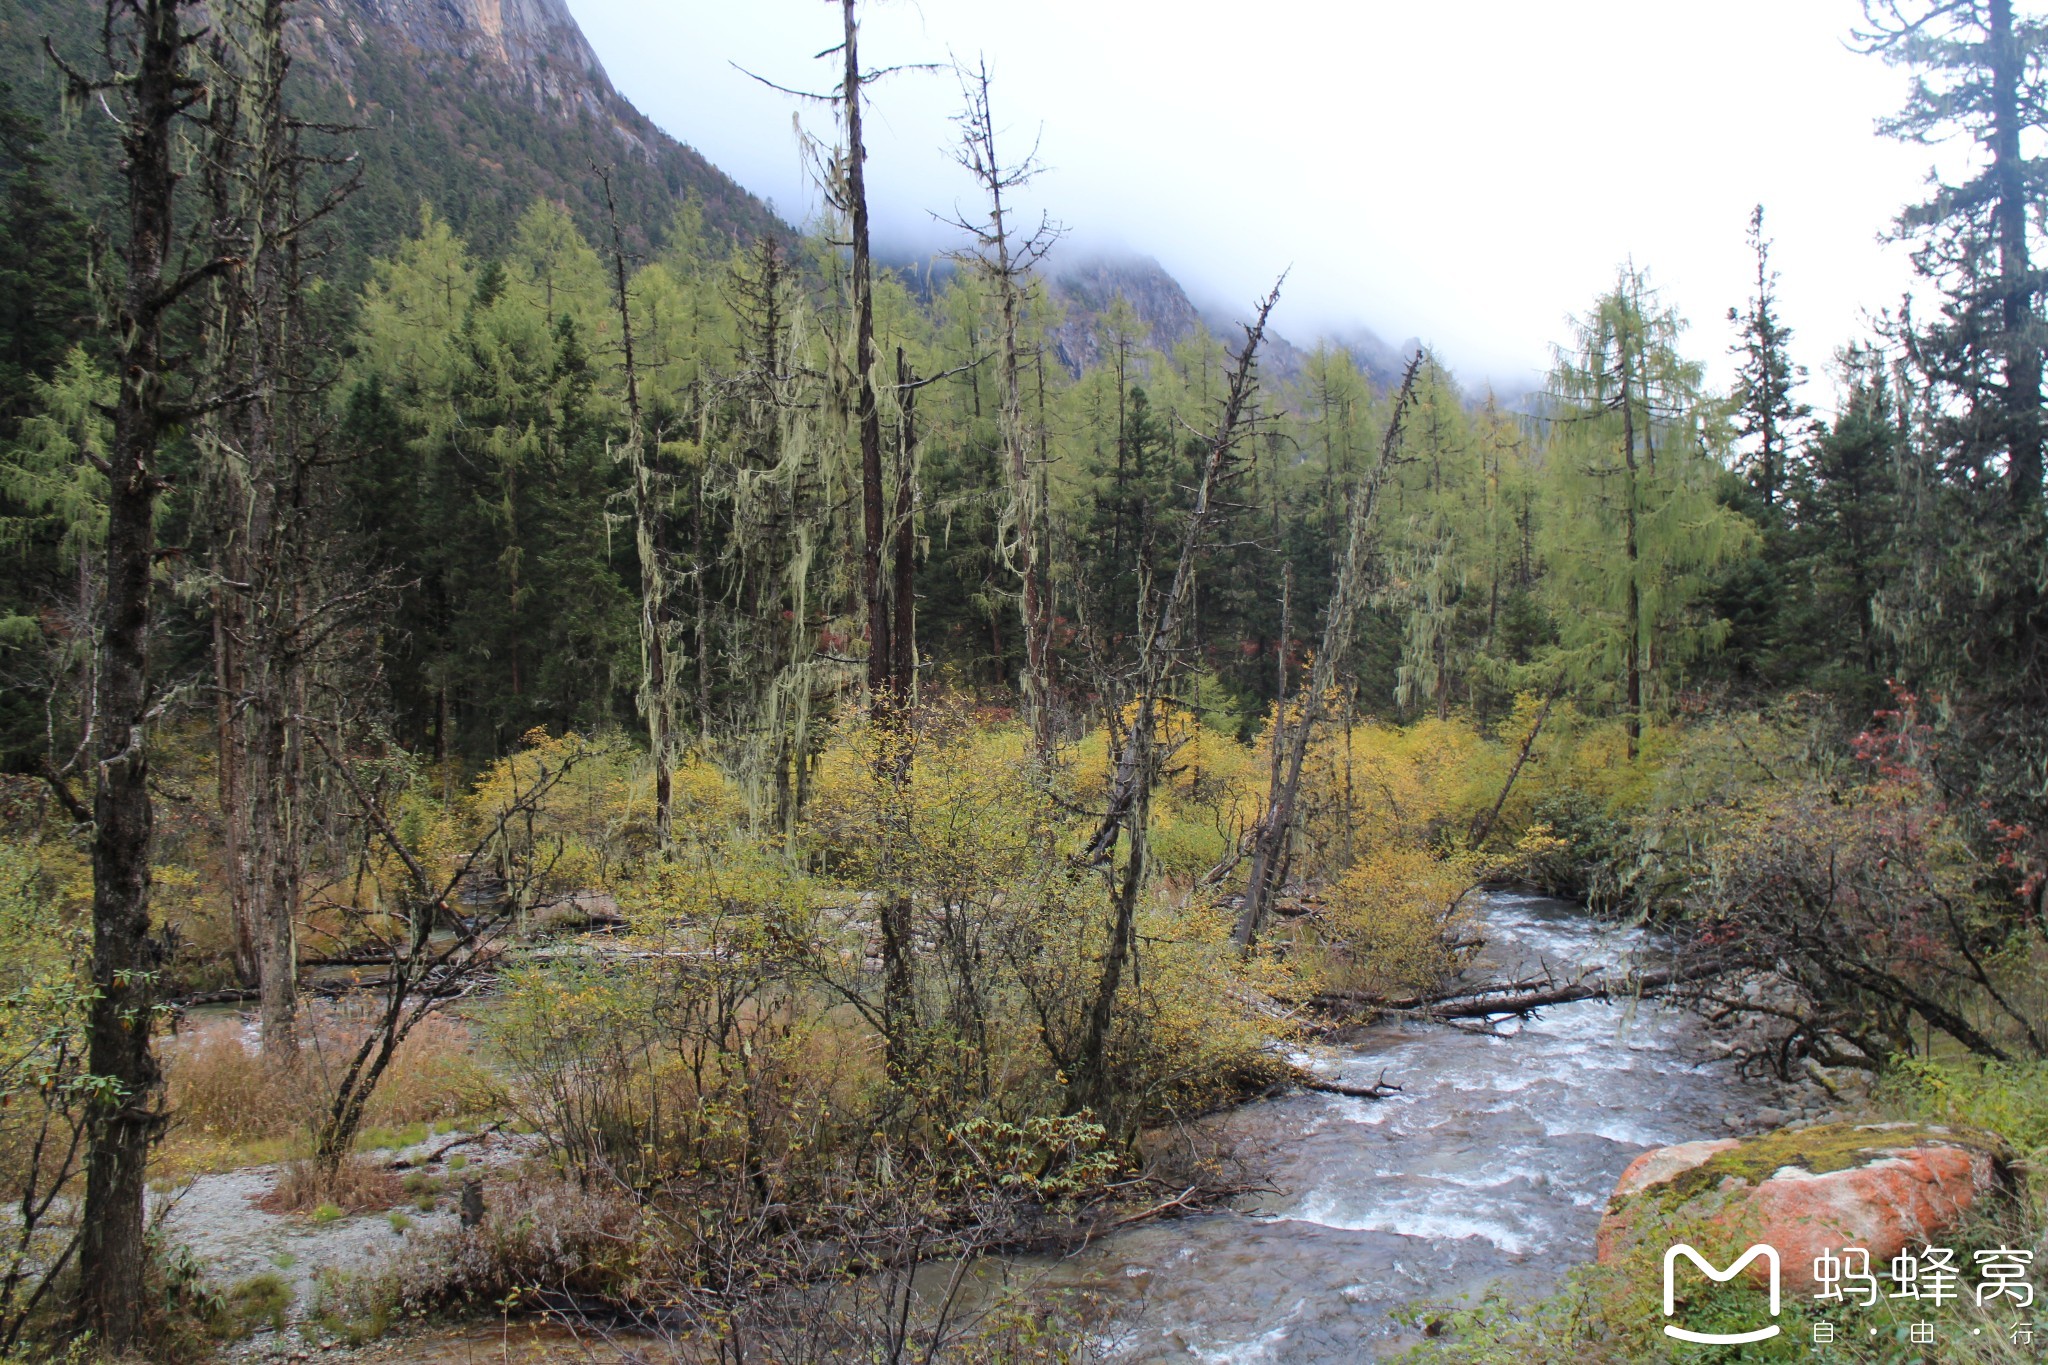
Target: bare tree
<point>1270,842</point>
<point>1159,653</point>
<point>264,475</point>
<point>1159,641</point>
<point>1007,261</point>
<point>434,952</point>
<point>888,533</point>
<point>149,72</point>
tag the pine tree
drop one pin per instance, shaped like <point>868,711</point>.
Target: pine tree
<point>1982,71</point>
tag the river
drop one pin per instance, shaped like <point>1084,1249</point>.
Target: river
<point>1491,1164</point>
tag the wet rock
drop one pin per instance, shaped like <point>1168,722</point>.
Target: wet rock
<point>1881,1186</point>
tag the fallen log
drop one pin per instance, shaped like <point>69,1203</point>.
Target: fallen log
<point>1411,1003</point>
<point>1378,1090</point>
<point>445,1148</point>
<point>1521,997</point>
<point>1629,984</point>
<point>233,995</point>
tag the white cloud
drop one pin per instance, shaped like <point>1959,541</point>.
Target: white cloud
<point>1467,171</point>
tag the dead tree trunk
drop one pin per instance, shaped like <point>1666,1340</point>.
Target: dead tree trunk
<point>1483,825</point>
<point>1137,765</point>
<point>148,53</point>
<point>261,458</point>
<point>884,686</point>
<point>1159,640</point>
<point>903,532</point>
<point>1007,263</point>
<point>1269,848</point>
<point>887,588</point>
<point>1526,997</point>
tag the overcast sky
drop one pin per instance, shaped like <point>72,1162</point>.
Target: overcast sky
<point>1469,172</point>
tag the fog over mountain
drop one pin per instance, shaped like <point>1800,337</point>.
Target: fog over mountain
<point>1469,173</point>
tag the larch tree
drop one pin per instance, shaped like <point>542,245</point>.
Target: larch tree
<point>1635,522</point>
<point>1438,492</point>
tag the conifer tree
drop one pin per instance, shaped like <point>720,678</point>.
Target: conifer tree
<point>1765,413</point>
<point>1635,521</point>
<point>1980,70</point>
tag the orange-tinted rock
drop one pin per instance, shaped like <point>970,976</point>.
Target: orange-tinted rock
<point>1882,1187</point>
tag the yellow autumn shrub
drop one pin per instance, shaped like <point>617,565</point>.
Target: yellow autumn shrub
<point>1389,923</point>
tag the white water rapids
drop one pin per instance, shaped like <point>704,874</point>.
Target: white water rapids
<point>1492,1164</point>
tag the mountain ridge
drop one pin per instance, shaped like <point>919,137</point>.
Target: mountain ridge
<point>476,107</point>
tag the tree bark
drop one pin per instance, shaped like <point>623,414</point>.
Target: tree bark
<point>126,1115</point>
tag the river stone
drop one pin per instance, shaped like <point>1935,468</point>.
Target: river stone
<point>1881,1186</point>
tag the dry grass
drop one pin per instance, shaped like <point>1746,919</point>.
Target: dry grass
<point>436,1076</point>
<point>359,1186</point>
<point>231,1106</point>
<point>223,1090</point>
<point>538,1232</point>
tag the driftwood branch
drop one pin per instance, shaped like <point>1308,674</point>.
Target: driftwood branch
<point>1378,1090</point>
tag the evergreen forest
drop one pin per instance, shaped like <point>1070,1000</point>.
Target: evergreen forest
<point>806,795</point>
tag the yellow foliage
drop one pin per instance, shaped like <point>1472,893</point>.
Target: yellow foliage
<point>1391,919</point>
<point>967,818</point>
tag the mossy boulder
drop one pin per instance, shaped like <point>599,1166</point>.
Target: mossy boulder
<point>1881,1186</point>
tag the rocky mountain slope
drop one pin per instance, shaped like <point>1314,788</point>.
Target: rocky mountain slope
<point>477,107</point>
<point>474,106</point>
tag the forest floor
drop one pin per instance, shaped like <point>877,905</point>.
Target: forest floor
<point>220,1220</point>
